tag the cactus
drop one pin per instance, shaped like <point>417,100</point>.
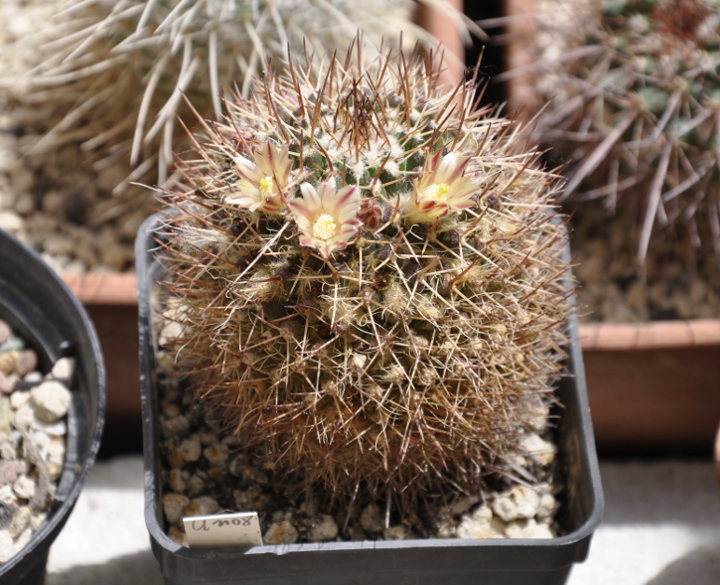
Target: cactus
<point>365,279</point>
<point>118,69</point>
<point>634,110</point>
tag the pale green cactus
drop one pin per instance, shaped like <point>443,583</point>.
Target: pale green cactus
<point>120,70</point>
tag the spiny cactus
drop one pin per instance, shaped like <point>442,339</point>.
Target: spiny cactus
<point>119,69</point>
<point>634,109</point>
<point>367,277</point>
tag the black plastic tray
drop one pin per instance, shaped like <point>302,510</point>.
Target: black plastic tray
<point>406,562</point>
<point>41,309</point>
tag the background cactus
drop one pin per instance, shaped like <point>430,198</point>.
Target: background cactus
<point>116,71</point>
<point>633,99</point>
<point>365,280</point>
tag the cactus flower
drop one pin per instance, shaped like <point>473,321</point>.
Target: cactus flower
<point>263,181</point>
<point>442,188</point>
<point>328,219</point>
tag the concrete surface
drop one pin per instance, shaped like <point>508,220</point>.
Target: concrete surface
<point>661,527</point>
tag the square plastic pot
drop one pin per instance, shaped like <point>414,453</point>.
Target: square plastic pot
<point>405,562</point>
<point>41,309</point>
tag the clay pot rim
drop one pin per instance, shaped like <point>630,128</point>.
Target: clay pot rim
<point>112,288</point>
<point>652,335</point>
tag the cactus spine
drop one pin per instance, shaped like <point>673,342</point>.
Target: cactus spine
<point>367,279</point>
<point>634,97</point>
<point>118,70</point>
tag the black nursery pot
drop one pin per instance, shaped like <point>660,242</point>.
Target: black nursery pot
<point>41,309</point>
<point>404,562</point>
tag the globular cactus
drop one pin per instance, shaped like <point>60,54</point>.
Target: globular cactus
<point>367,278</point>
<point>633,98</point>
<point>118,70</point>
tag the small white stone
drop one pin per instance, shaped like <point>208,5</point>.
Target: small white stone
<point>176,426</point>
<point>538,449</point>
<point>56,429</point>
<point>189,450</point>
<point>7,451</point>
<point>36,521</point>
<point>202,506</point>
<point>19,398</point>
<point>8,446</point>
<point>51,400</point>
<point>6,415</point>
<point>463,504</point>
<point>195,485</point>
<point>24,417</point>
<point>324,529</point>
<point>114,256</point>
<point>58,245</point>
<point>20,521</point>
<point>173,506</point>
<point>520,502</point>
<point>24,487</point>
<point>547,507</point>
<point>399,532</point>
<point>64,369</point>
<point>478,524</point>
<point>22,540</point>
<point>33,378</point>
<point>7,494</point>
<point>371,519</point>
<point>528,529</point>
<point>7,546</point>
<point>175,480</point>
<point>179,536</point>
<point>41,442</point>
<point>281,533</point>
<point>24,204</point>
<point>11,222</point>
<point>446,528</point>
<point>216,454</point>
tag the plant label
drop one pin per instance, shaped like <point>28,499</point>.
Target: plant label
<point>223,530</point>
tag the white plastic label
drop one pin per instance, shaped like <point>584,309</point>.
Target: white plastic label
<point>221,530</point>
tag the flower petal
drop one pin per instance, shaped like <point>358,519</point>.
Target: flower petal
<point>311,197</point>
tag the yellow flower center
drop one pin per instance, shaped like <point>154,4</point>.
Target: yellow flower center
<point>324,227</point>
<point>437,192</point>
<point>268,187</point>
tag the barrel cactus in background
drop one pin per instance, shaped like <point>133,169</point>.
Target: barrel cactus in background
<point>633,97</point>
<point>117,70</point>
<point>364,280</point>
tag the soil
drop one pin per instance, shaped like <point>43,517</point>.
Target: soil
<point>677,280</point>
<point>206,472</point>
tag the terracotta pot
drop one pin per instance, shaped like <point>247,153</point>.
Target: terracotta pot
<point>653,386</point>
<point>111,301</point>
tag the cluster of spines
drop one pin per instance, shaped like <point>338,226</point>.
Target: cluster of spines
<point>636,113</point>
<point>118,72</point>
<point>406,353</point>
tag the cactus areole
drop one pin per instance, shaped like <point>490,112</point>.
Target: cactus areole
<point>365,279</point>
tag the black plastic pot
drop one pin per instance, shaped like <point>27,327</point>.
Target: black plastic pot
<point>42,310</point>
<point>406,562</point>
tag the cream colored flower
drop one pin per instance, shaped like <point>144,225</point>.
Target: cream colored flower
<point>442,188</point>
<point>263,181</point>
<point>328,219</point>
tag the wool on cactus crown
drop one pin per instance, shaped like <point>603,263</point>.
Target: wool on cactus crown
<point>366,279</point>
<point>633,98</point>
